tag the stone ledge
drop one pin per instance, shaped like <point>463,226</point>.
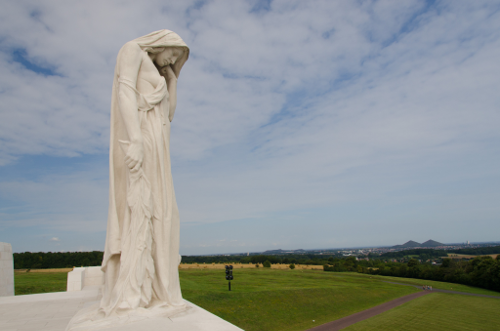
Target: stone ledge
<point>53,311</point>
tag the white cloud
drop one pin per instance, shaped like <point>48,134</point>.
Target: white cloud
<point>307,105</point>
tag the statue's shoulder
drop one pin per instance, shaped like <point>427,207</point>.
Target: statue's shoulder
<point>131,46</point>
<point>131,52</point>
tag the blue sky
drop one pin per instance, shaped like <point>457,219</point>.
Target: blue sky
<point>300,124</point>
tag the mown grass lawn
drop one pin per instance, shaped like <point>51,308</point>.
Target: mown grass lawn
<point>269,299</point>
<point>39,282</point>
<point>437,312</point>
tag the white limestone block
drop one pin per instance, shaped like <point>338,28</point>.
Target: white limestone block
<point>82,277</point>
<point>75,280</point>
<point>6,270</point>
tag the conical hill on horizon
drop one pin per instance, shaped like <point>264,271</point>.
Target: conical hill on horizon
<point>411,243</point>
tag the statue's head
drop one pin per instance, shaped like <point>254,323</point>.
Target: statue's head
<point>168,47</point>
<point>165,56</point>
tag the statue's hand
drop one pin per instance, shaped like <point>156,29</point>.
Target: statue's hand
<point>169,73</point>
<point>135,156</point>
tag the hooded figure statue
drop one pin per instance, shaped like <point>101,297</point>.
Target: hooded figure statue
<point>141,255</point>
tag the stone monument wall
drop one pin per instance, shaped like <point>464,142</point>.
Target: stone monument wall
<point>6,270</point>
<point>84,276</point>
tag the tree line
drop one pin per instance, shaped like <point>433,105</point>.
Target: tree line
<point>312,259</point>
<point>423,254</point>
<point>41,260</point>
<point>477,251</point>
<point>482,271</point>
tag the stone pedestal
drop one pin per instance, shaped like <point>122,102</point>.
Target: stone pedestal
<point>195,319</point>
<point>6,270</point>
<point>53,311</point>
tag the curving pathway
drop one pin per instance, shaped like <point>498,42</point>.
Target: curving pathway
<point>365,314</point>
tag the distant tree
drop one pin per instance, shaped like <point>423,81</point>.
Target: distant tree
<point>423,254</point>
<point>43,260</point>
<point>482,271</point>
<point>402,270</point>
<point>266,264</point>
<point>351,260</point>
<point>478,251</point>
<point>412,263</point>
<point>446,263</point>
<point>292,266</point>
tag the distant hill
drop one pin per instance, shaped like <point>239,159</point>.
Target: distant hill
<point>431,243</point>
<point>408,244</point>
<point>411,243</point>
<point>414,244</point>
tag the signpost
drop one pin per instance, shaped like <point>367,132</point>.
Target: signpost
<point>229,274</point>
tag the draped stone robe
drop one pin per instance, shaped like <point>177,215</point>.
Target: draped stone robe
<point>146,273</point>
<point>141,254</point>
<point>142,246</point>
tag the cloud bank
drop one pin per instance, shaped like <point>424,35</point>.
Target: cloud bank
<point>299,124</point>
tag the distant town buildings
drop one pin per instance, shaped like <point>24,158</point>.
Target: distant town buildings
<point>367,252</point>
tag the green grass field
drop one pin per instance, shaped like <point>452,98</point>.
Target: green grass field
<point>263,299</point>
<point>270,299</point>
<point>437,312</point>
<point>38,282</point>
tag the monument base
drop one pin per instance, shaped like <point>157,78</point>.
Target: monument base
<point>193,319</point>
<point>53,311</point>
<point>187,318</point>
<point>6,270</point>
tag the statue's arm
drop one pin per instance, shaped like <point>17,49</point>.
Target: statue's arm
<point>130,60</point>
<point>172,92</point>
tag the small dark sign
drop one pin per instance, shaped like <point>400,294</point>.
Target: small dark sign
<point>229,274</point>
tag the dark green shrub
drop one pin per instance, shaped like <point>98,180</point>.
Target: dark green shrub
<point>412,263</point>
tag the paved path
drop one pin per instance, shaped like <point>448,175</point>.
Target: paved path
<point>365,314</point>
<point>448,291</point>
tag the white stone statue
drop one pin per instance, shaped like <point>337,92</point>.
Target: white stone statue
<point>141,255</point>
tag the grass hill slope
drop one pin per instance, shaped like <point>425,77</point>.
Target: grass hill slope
<point>437,312</point>
<point>269,299</point>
